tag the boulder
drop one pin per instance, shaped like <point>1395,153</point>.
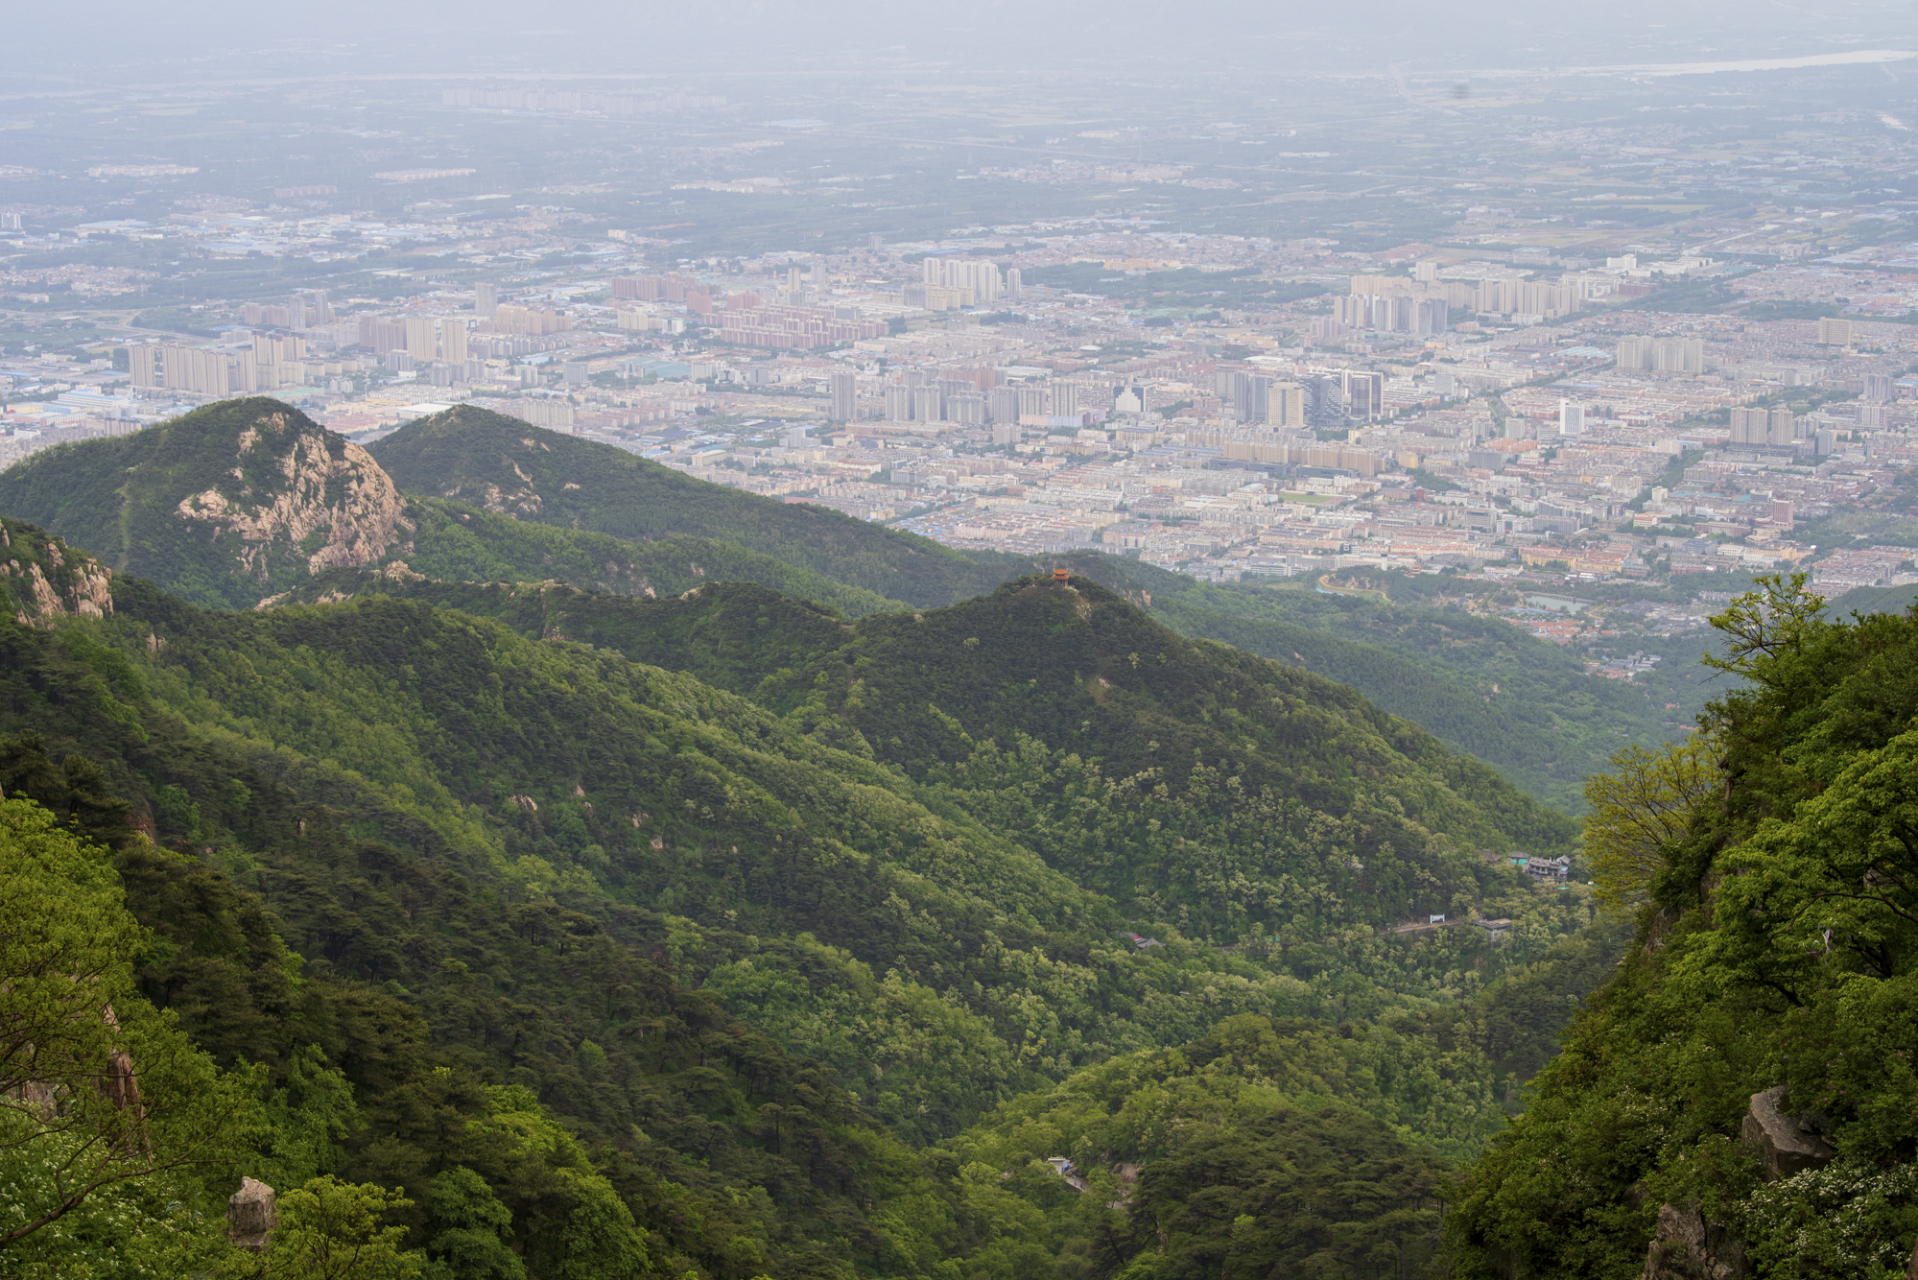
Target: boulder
<point>251,1215</point>
<point>1689,1248</point>
<point>1783,1145</point>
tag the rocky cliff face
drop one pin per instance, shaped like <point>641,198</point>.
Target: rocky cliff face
<point>294,486</point>
<point>42,580</point>
<point>236,501</point>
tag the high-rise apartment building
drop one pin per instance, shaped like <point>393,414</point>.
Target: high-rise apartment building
<point>1776,427</point>
<point>1662,355</point>
<point>844,387</point>
<point>453,340</point>
<point>1571,418</point>
<point>141,369</point>
<point>422,338</point>
<point>1002,405</point>
<point>1878,386</point>
<point>485,299</point>
<point>1834,332</point>
<point>1784,428</point>
<point>981,278</point>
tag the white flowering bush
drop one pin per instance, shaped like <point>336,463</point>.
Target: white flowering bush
<point>1850,1220</point>
<point>131,1230</point>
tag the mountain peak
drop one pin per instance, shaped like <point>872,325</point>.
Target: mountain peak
<point>234,501</point>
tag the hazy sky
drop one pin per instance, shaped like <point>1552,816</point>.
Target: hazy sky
<point>246,39</point>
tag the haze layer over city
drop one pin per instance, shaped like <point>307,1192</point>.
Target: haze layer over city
<point>1237,290</point>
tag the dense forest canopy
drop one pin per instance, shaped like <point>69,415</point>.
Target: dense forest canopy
<point>1771,989</point>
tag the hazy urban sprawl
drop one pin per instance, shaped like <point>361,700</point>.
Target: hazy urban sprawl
<point>1593,345</point>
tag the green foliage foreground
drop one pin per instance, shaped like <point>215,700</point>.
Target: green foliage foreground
<point>1777,946</point>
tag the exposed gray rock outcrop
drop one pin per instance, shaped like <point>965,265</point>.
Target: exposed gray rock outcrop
<point>1689,1248</point>
<point>251,1215</point>
<point>1783,1145</point>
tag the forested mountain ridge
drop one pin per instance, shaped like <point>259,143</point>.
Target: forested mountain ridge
<point>1195,753</point>
<point>489,460</point>
<point>282,521</point>
<point>1480,685</point>
<point>474,842</point>
<point>1736,1099</point>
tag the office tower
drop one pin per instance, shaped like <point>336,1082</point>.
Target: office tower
<point>1364,393</point>
<point>1833,332</point>
<point>453,340</point>
<point>422,338</point>
<point>1878,386</point>
<point>1285,405</point>
<point>1571,418</point>
<point>485,299</point>
<point>844,388</point>
<point>1783,428</point>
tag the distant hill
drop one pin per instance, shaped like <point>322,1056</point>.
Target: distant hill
<point>502,464</point>
<point>1873,600</point>
<point>246,500</point>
